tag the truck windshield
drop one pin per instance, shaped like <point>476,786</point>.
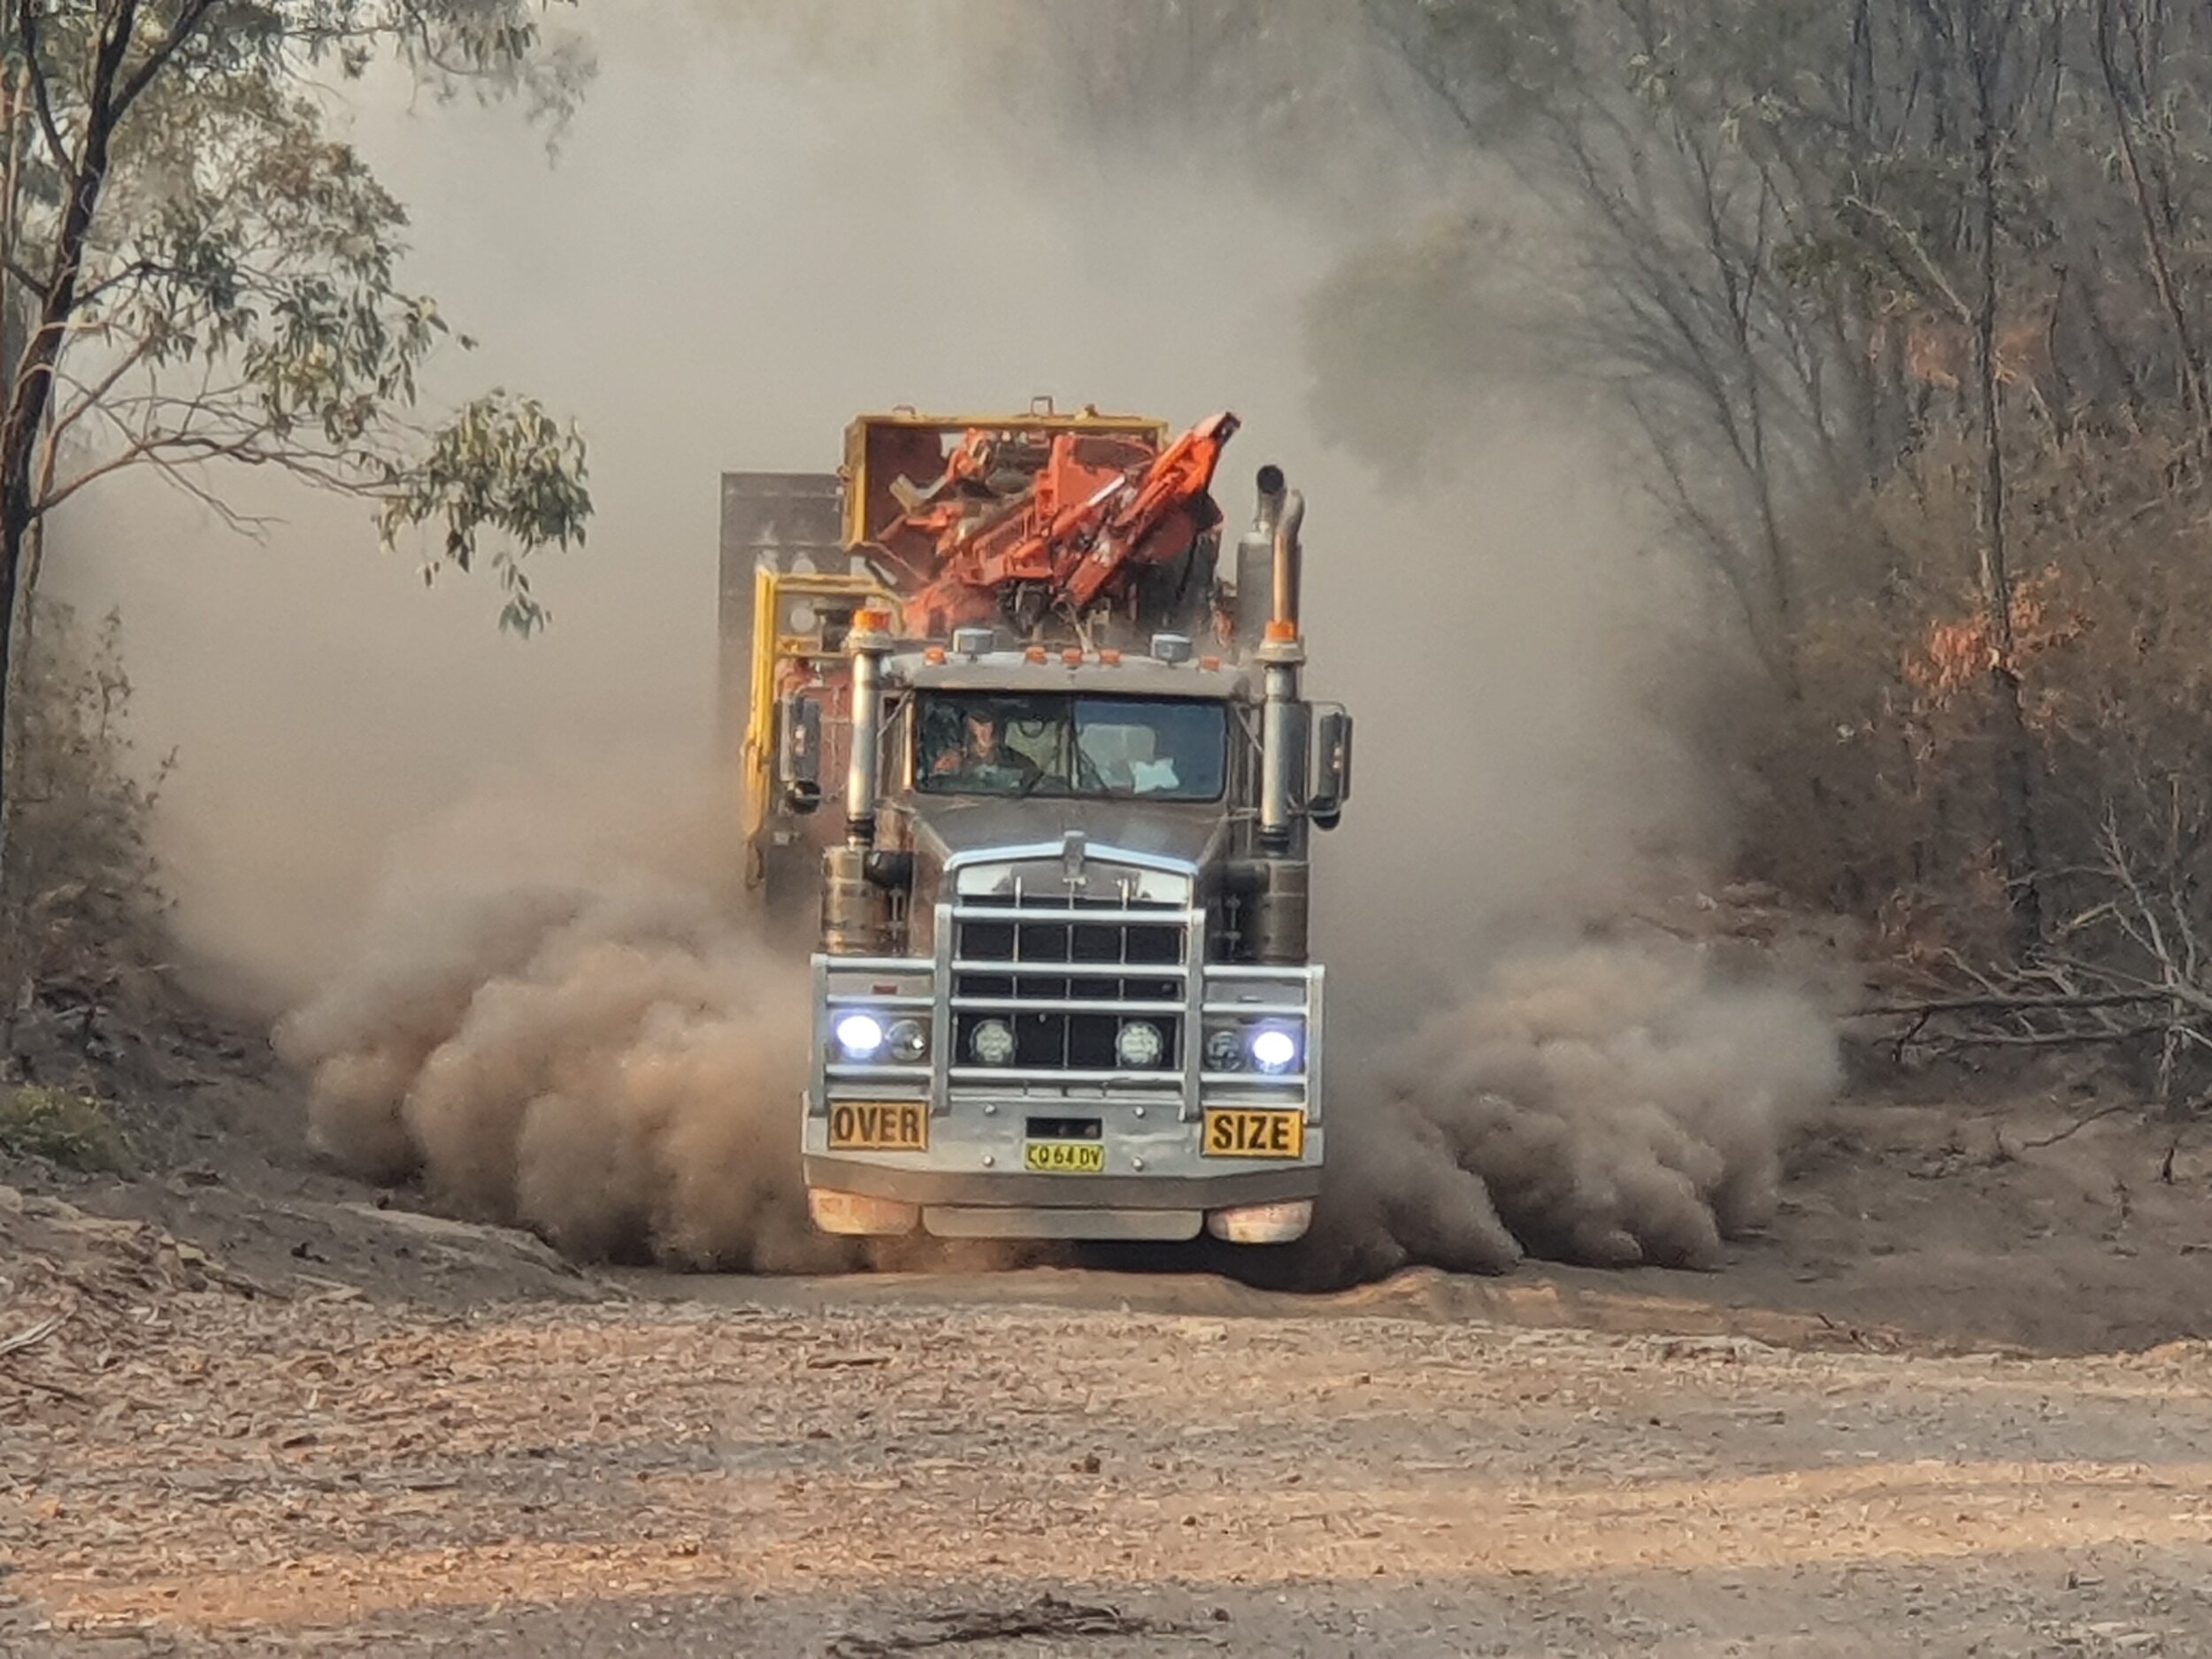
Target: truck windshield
<point>1140,747</point>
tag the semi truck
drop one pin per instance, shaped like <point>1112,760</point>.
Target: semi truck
<point>1025,746</point>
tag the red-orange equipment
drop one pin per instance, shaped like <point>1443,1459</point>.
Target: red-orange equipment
<point>1063,528</point>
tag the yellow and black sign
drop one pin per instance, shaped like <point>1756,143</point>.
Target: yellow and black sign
<point>879,1127</point>
<point>1064,1157</point>
<point>1233,1133</point>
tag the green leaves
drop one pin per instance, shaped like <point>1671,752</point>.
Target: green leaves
<point>235,295</point>
<point>505,463</point>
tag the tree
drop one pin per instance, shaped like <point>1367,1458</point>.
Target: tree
<point>195,273</point>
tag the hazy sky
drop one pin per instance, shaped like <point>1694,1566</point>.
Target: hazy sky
<point>729,258</point>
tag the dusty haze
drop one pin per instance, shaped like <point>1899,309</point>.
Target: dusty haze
<point>473,869</point>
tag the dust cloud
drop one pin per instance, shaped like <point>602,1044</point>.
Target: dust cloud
<point>1617,1105</point>
<point>570,1032</point>
<point>761,224</point>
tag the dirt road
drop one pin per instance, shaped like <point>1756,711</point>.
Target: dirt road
<point>432,1438</point>
<point>824,1478</point>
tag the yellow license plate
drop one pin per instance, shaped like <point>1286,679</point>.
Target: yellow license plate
<point>1064,1157</point>
<point>1235,1133</point>
<point>879,1127</point>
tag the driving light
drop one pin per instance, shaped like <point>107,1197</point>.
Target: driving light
<point>859,1035</point>
<point>908,1040</point>
<point>992,1042</point>
<point>1139,1044</point>
<point>1224,1050</point>
<point>1274,1050</point>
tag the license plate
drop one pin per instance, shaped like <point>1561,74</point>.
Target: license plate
<point>1064,1157</point>
<point>1233,1133</point>
<point>879,1127</point>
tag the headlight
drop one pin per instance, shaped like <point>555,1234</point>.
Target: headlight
<point>859,1035</point>
<point>908,1040</point>
<point>1139,1044</point>
<point>991,1041</point>
<point>1224,1049</point>
<point>1274,1049</point>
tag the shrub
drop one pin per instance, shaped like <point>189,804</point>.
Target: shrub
<point>82,898</point>
<point>75,1131</point>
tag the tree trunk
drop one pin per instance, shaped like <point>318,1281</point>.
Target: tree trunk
<point>2009,730</point>
<point>2196,393</point>
<point>15,952</point>
<point>30,392</point>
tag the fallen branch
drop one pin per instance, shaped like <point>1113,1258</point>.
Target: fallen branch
<point>1999,1004</point>
<point>2043,1039</point>
<point>37,1333</point>
<point>1048,1617</point>
<point>53,1388</point>
<point>2077,1127</point>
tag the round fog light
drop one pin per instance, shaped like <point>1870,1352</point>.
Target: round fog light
<point>1139,1044</point>
<point>1225,1051</point>
<point>908,1040</point>
<point>991,1041</point>
<point>859,1035</point>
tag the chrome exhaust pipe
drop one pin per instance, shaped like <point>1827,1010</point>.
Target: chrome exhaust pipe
<point>1282,715</point>
<point>856,912</point>
<point>1269,511</point>
<point>869,643</point>
<point>1289,560</point>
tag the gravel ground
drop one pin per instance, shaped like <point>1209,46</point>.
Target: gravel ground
<point>211,1473</point>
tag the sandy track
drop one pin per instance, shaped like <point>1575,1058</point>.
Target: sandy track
<point>654,1479</point>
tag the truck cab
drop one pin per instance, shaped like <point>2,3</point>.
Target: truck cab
<point>1061,984</point>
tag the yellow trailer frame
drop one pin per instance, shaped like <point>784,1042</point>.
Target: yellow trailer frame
<point>776,647</point>
<point>880,449</point>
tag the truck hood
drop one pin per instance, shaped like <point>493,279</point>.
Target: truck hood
<point>1190,833</point>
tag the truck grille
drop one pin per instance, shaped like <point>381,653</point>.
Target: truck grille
<point>1064,974</point>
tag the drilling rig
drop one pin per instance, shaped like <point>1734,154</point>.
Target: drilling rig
<point>1027,746</point>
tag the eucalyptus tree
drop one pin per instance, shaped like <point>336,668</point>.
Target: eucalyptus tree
<point>198,273</point>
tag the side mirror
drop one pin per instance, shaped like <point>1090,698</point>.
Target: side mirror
<point>799,756</point>
<point>1332,769</point>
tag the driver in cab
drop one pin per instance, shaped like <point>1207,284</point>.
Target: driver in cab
<point>982,760</point>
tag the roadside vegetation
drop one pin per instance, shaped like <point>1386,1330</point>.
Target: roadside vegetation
<point>1905,300</point>
<point>1905,306</point>
<point>75,1130</point>
<point>199,276</point>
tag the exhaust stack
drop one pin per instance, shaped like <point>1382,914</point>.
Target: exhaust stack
<point>1281,913</point>
<point>1289,560</point>
<point>869,643</point>
<point>856,912</point>
<point>1281,655</point>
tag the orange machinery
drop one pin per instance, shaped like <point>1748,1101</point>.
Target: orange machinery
<point>1079,527</point>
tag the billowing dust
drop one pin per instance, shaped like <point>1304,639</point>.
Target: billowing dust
<point>600,1054</point>
<point>613,1069</point>
<point>1615,1104</point>
<point>589,1042</point>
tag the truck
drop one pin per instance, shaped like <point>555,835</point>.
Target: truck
<point>1025,750</point>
